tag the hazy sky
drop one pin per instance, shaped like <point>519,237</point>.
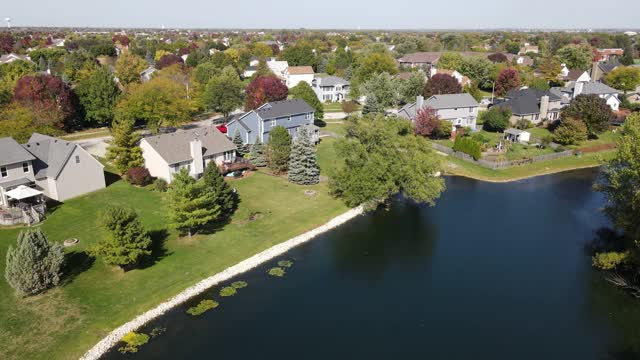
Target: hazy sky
<point>351,14</point>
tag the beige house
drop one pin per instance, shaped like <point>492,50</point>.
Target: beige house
<point>167,154</point>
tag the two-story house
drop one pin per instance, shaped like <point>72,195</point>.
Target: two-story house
<point>290,114</point>
<point>331,88</point>
<point>296,74</point>
<point>532,105</point>
<point>166,154</point>
<point>459,109</point>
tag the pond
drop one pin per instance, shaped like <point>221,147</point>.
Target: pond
<point>493,271</point>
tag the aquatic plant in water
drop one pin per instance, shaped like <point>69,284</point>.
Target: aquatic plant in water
<point>285,263</point>
<point>132,341</point>
<point>239,284</point>
<point>202,307</point>
<point>276,271</point>
<point>227,291</point>
<point>157,331</point>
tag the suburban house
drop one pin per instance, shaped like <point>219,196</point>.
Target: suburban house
<point>528,48</point>
<point>600,69</point>
<point>44,167</point>
<point>166,154</point>
<point>574,89</point>
<point>331,88</point>
<point>607,54</point>
<point>290,114</point>
<point>567,74</point>
<point>425,60</point>
<point>462,80</point>
<point>459,109</point>
<point>278,67</point>
<point>297,74</point>
<point>147,73</point>
<point>9,58</point>
<point>533,105</point>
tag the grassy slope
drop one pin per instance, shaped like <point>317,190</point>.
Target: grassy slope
<point>65,322</point>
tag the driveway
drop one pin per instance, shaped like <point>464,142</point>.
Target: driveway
<point>96,147</point>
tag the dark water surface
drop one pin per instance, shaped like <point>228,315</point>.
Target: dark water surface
<point>494,271</point>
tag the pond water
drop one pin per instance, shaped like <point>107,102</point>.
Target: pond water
<point>493,271</point>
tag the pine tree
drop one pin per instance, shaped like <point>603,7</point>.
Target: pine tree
<point>214,181</point>
<point>128,241</point>
<point>303,166</point>
<point>371,106</point>
<point>258,156</point>
<point>279,149</point>
<point>124,151</point>
<point>34,264</point>
<point>237,141</point>
<point>191,205</point>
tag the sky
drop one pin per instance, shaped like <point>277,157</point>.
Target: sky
<point>325,14</point>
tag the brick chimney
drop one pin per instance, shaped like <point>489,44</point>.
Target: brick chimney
<point>577,89</point>
<point>197,167</point>
<point>419,102</point>
<point>544,107</point>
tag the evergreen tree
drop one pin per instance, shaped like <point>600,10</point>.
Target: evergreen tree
<point>124,151</point>
<point>191,205</point>
<point>214,181</point>
<point>303,166</point>
<point>34,264</point>
<point>237,141</point>
<point>258,157</point>
<point>371,106</point>
<point>279,149</point>
<point>127,241</point>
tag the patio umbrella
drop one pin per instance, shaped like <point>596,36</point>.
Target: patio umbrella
<point>23,192</point>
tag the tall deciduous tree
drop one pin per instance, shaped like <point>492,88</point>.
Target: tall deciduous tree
<point>98,95</point>
<point>303,91</point>
<point>570,132</point>
<point>48,96</point>
<point>124,151</point>
<point>168,60</point>
<point>129,67</point>
<point>34,264</point>
<point>498,58</point>
<point>440,84</point>
<point>303,164</point>
<point>299,55</point>
<point>508,79</point>
<point>591,109</point>
<point>383,88</point>
<point>191,205</point>
<point>576,56</point>
<point>223,93</point>
<point>127,241</point>
<point>215,184</point>
<point>279,149</point>
<point>264,89</point>
<point>450,61</point>
<point>412,87</point>
<point>625,78</point>
<point>550,68</point>
<point>6,42</point>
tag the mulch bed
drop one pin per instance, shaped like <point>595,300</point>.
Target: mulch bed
<point>597,148</point>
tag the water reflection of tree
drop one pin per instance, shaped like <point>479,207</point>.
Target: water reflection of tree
<point>402,236</point>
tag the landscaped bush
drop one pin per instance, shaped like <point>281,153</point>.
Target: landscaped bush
<point>228,291</point>
<point>496,119</point>
<point>468,146</point>
<point>570,132</point>
<point>239,284</point>
<point>523,124</point>
<point>202,307</point>
<point>132,341</point>
<point>138,176</point>
<point>276,271</point>
<point>160,185</point>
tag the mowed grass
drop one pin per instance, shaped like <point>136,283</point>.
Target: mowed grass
<point>336,107</point>
<point>65,322</point>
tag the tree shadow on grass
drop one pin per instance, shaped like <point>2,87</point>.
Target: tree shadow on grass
<point>76,262</point>
<point>52,206</point>
<point>220,224</point>
<point>111,178</point>
<point>158,249</point>
<point>320,123</point>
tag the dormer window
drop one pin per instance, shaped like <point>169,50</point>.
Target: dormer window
<point>273,122</point>
<point>25,167</point>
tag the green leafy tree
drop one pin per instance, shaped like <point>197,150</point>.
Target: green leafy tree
<point>299,55</point>
<point>479,69</point>
<point>495,119</point>
<point>279,149</point>
<point>372,106</point>
<point>304,92</point>
<point>127,241</point>
<point>625,78</point>
<point>591,109</point>
<point>382,157</point>
<point>576,56</point>
<point>223,93</point>
<point>375,63</point>
<point>570,132</point>
<point>20,122</point>
<point>34,264</point>
<point>129,67</point>
<point>474,91</point>
<point>450,61</point>
<point>191,205</point>
<point>412,87</point>
<point>258,155</point>
<point>124,151</point>
<point>383,88</point>
<point>215,184</point>
<point>303,164</point>
<point>98,96</point>
<point>550,68</point>
<point>204,72</point>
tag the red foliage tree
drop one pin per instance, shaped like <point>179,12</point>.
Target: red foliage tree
<point>507,80</point>
<point>275,48</point>
<point>498,58</point>
<point>168,60</point>
<point>427,121</point>
<point>442,84</point>
<point>122,39</point>
<point>6,42</point>
<point>188,49</point>
<point>264,89</point>
<point>49,97</point>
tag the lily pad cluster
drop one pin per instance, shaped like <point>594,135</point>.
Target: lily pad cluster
<point>279,271</point>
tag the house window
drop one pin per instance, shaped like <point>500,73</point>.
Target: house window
<point>289,118</point>
<point>25,167</point>
<point>273,122</point>
<point>77,159</point>
<point>470,109</point>
<point>228,156</point>
<point>3,171</point>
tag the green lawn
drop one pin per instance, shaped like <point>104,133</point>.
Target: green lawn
<point>327,155</point>
<point>336,128</point>
<point>335,107</point>
<point>65,322</point>
<point>87,134</point>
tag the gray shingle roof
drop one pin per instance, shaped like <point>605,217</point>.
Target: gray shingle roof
<point>532,92</point>
<point>283,108</point>
<point>450,101</point>
<point>598,88</point>
<point>51,154</point>
<point>174,147</point>
<point>332,81</point>
<point>522,105</point>
<point>11,152</point>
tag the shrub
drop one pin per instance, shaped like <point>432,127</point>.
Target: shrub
<point>443,131</point>
<point>496,119</point>
<point>570,132</point>
<point>239,284</point>
<point>468,146</point>
<point>160,185</point>
<point>138,176</point>
<point>228,291</point>
<point>349,107</point>
<point>609,260</point>
<point>132,341</point>
<point>523,124</point>
<point>276,271</point>
<point>285,263</point>
<point>34,264</point>
<point>202,307</point>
